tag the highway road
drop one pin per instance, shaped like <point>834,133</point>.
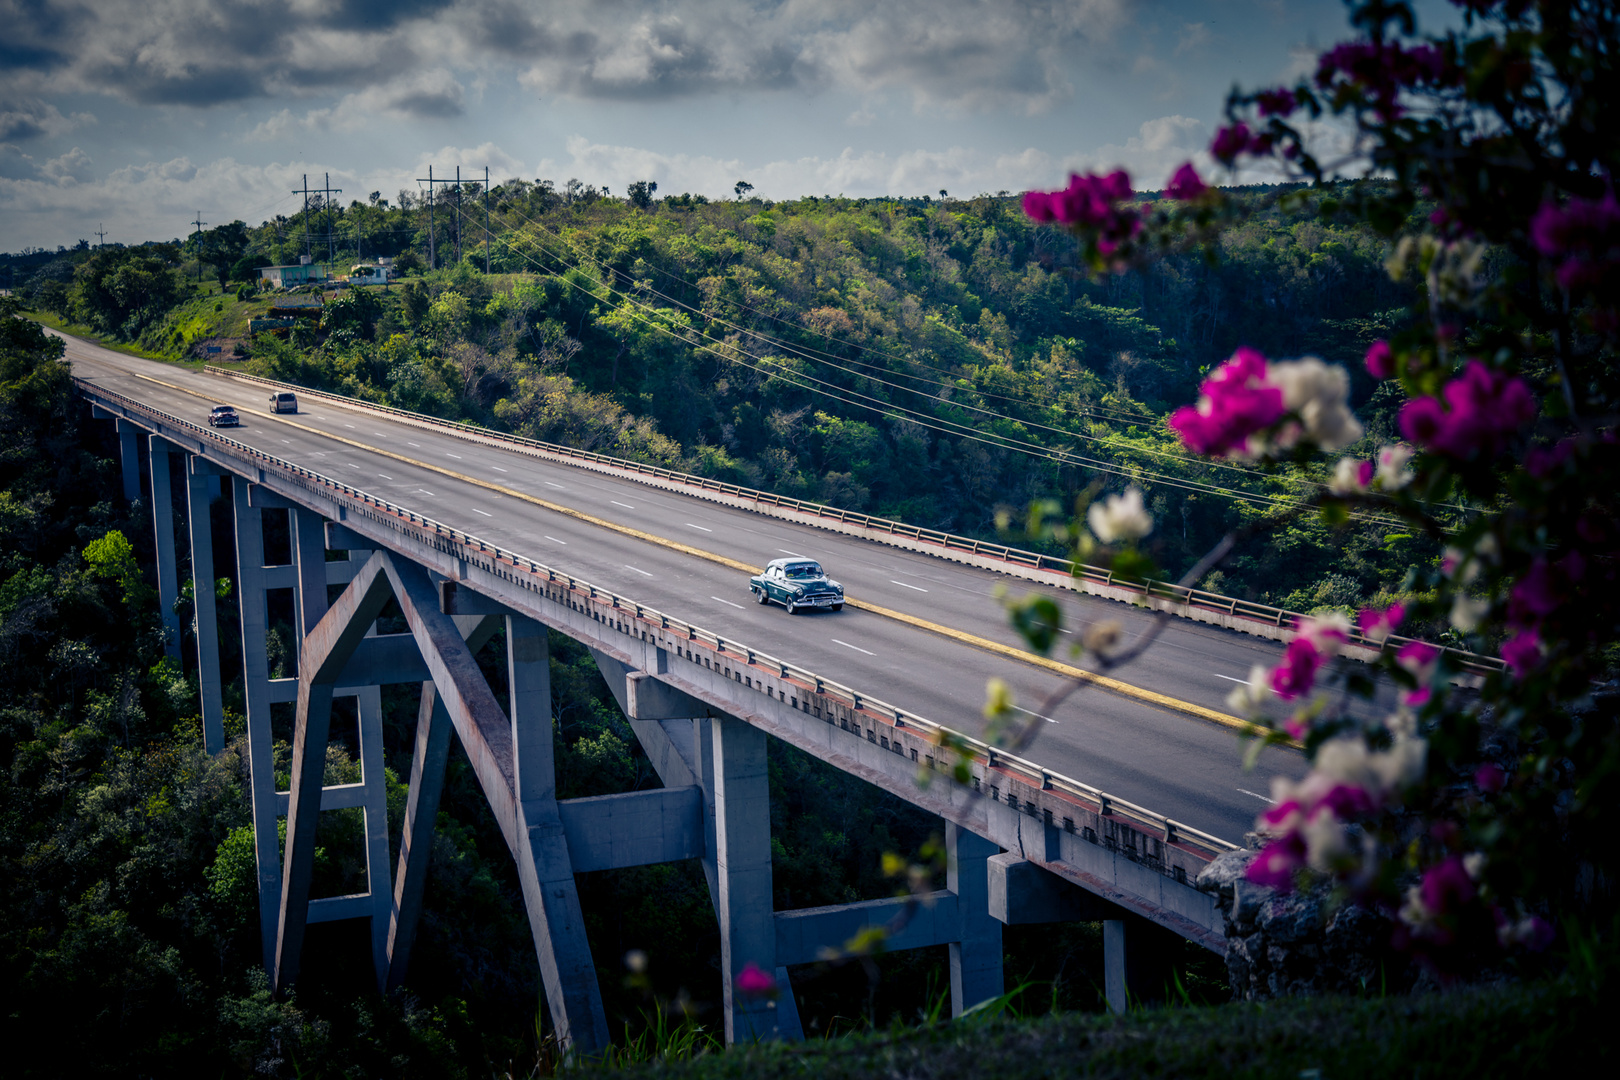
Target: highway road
<point>1167,761</point>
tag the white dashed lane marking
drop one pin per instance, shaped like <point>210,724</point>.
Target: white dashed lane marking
<point>449,454</point>
<point>637,569</point>
<point>486,513</point>
<point>857,648</point>
<point>554,540</point>
<point>417,445</point>
<point>425,491</point>
<point>903,585</point>
<point>723,600</point>
<point>616,502</point>
<point>385,476</point>
<point>795,554</point>
<point>1257,795</point>
<point>497,468</point>
<point>689,525</point>
<point>1032,712</point>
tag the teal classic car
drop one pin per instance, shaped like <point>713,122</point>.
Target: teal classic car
<point>797,584</point>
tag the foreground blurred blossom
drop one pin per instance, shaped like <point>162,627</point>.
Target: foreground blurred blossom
<point>1581,239</point>
<point>1482,408</point>
<point>1120,517</point>
<point>753,981</point>
<point>1317,641</point>
<point>1249,407</point>
<point>1186,184</point>
<point>1089,203</point>
<point>1376,625</point>
<point>1351,476</point>
<point>1393,473</point>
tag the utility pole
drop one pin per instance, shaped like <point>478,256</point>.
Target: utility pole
<point>305,192</point>
<point>486,219</point>
<point>458,214</point>
<point>432,256</point>
<point>101,236</point>
<point>331,226</point>
<point>198,234</point>
<point>429,181</point>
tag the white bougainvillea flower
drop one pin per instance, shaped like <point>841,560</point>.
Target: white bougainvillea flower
<point>1120,517</point>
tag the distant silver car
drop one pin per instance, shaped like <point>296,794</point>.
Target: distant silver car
<point>223,416</point>
<point>284,401</point>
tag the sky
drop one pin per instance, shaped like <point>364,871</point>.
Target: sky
<point>135,117</point>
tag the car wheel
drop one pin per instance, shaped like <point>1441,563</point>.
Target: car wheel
<point>793,609</point>
<point>838,607</point>
<point>759,595</point>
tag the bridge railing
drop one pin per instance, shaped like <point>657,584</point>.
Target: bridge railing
<point>982,753</point>
<point>1180,595</point>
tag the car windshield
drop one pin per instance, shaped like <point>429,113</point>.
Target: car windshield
<point>802,571</point>
<point>223,409</point>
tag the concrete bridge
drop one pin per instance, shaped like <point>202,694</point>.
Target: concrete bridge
<point>1026,842</point>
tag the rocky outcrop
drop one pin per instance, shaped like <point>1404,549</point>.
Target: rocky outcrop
<point>1299,944</point>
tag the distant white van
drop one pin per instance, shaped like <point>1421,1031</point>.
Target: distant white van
<point>284,401</point>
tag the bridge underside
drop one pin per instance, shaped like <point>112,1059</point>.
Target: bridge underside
<point>1020,849</point>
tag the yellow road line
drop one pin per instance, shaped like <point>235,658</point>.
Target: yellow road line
<point>1101,682</point>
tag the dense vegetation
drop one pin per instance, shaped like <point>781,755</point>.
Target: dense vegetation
<point>925,360</point>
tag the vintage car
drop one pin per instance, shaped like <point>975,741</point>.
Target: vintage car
<point>223,416</point>
<point>797,584</point>
<point>284,402</point>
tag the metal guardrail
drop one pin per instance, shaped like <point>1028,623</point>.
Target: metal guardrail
<point>984,754</point>
<point>1201,599</point>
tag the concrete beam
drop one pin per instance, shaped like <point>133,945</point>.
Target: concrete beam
<point>646,698</point>
<point>340,537</point>
<point>455,600</point>
<point>1022,894</point>
<point>1138,961</point>
<point>640,828</point>
<point>802,935</point>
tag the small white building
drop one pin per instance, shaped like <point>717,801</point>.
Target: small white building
<point>380,272</point>
<point>286,277</point>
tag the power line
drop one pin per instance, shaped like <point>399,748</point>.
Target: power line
<point>788,348</point>
<point>197,235</point>
<point>943,426</point>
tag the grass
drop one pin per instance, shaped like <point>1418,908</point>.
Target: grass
<point>1509,1031</point>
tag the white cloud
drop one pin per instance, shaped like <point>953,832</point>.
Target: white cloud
<point>33,118</point>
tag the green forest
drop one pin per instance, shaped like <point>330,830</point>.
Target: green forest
<point>926,360</point>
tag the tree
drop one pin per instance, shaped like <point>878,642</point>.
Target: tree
<point>1471,817</point>
<point>742,187</point>
<point>641,193</point>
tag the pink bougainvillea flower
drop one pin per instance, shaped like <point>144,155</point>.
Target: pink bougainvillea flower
<point>1278,102</point>
<point>1447,886</point>
<point>1186,184</point>
<point>1522,652</point>
<point>1581,239</point>
<point>1379,71</point>
<point>1347,801</point>
<point>1089,204</point>
<point>1482,408</point>
<point>1236,139</point>
<point>1380,361</point>
<point>1490,778</point>
<point>1314,645</point>
<point>1542,462</point>
<point>1234,403</point>
<point>1377,625</point>
<point>1536,595</point>
<point>1276,866</point>
<point>753,981</point>
<point>1531,932</point>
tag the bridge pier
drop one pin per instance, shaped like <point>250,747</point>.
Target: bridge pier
<point>168,576</point>
<point>205,628</point>
<point>129,456</point>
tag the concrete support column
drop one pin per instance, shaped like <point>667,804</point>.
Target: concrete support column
<point>976,973</point>
<point>163,520</point>
<point>250,591</point>
<point>544,865</point>
<point>205,628</point>
<point>309,553</point>
<point>738,786</point>
<point>1138,961</point>
<point>369,706</point>
<point>129,455</point>
<point>428,757</point>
